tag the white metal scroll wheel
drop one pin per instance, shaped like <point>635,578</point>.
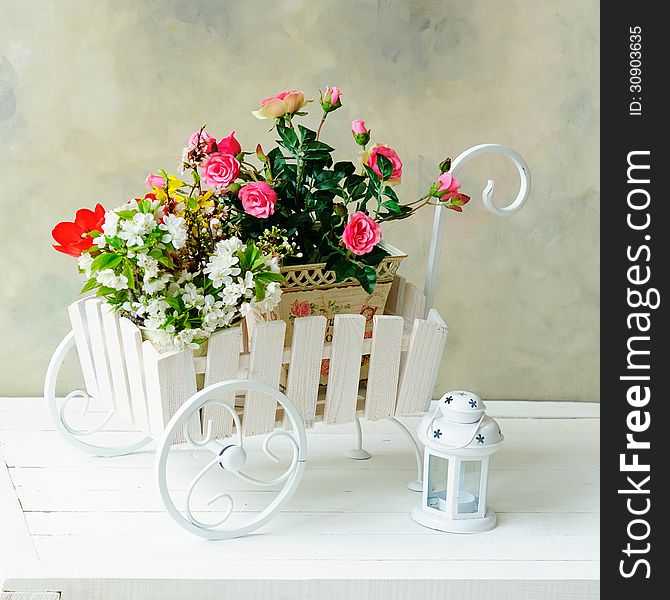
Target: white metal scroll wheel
<point>233,458</point>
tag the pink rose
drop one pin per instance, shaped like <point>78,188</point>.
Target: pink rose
<point>282,104</point>
<point>301,309</point>
<point>220,169</point>
<point>448,183</point>
<point>258,199</point>
<point>154,181</point>
<point>203,141</point>
<point>361,234</point>
<point>392,156</point>
<point>358,126</point>
<point>229,145</point>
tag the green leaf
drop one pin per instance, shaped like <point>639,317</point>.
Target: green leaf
<point>269,277</point>
<point>126,214</point>
<point>260,291</point>
<point>306,135</point>
<point>114,242</point>
<point>367,277</point>
<point>345,167</point>
<point>385,166</point>
<point>90,284</point>
<point>105,261</point>
<point>172,302</point>
<point>312,147</point>
<point>128,272</point>
<point>144,206</point>
<point>389,192</point>
<point>393,207</point>
<point>288,136</point>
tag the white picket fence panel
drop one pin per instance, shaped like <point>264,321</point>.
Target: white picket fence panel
<point>148,387</point>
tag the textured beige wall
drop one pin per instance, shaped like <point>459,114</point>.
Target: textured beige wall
<point>95,93</point>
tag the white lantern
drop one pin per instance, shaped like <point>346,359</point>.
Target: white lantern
<point>459,440</point>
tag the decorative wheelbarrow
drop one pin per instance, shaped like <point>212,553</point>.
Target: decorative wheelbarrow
<point>240,399</point>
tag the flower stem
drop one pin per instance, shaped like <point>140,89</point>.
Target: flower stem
<point>321,122</point>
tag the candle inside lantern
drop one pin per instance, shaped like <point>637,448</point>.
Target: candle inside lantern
<point>467,502</point>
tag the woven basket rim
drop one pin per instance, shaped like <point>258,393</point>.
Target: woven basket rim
<point>313,275</point>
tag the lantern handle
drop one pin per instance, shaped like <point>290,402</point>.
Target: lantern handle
<point>439,221</point>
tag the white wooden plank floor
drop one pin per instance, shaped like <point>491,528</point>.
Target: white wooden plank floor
<point>93,528</point>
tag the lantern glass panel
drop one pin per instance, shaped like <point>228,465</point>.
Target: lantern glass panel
<point>438,468</point>
<point>468,493</point>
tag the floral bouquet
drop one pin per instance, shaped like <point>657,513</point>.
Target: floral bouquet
<point>204,249</point>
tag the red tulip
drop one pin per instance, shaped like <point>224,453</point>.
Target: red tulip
<point>74,237</point>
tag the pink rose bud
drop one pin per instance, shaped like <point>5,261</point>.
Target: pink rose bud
<point>358,126</point>
<point>448,184</point>
<point>202,141</point>
<point>258,199</point>
<point>389,153</point>
<point>284,103</point>
<point>330,99</point>
<point>229,145</point>
<point>360,132</point>
<point>219,170</point>
<point>154,181</point>
<point>361,234</point>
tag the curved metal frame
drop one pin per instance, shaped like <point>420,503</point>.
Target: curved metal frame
<point>487,197</point>
<point>58,412</point>
<point>291,477</point>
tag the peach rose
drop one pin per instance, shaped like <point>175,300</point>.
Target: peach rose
<point>258,199</point>
<point>284,103</point>
<point>361,234</point>
<point>220,169</point>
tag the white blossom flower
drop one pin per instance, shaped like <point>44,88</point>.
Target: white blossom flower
<point>109,279</point>
<point>221,265</point>
<point>133,230</point>
<point>175,228</point>
<point>192,296</point>
<point>272,297</point>
<point>149,265</point>
<point>156,285</point>
<point>85,261</point>
<point>111,223</point>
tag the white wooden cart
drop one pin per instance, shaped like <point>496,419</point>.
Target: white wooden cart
<point>240,380</point>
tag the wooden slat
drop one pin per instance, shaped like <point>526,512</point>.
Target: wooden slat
<point>170,381</point>
<point>396,293</point>
<point>413,303</point>
<point>132,349</point>
<point>117,363</point>
<point>99,351</point>
<point>345,367</point>
<point>223,355</point>
<point>384,367</point>
<point>267,343</point>
<point>77,312</point>
<point>420,365</point>
<point>305,365</point>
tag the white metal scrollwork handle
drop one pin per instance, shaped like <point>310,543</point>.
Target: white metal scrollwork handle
<point>487,197</point>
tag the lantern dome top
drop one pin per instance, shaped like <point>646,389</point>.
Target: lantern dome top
<point>457,424</point>
<point>462,406</point>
